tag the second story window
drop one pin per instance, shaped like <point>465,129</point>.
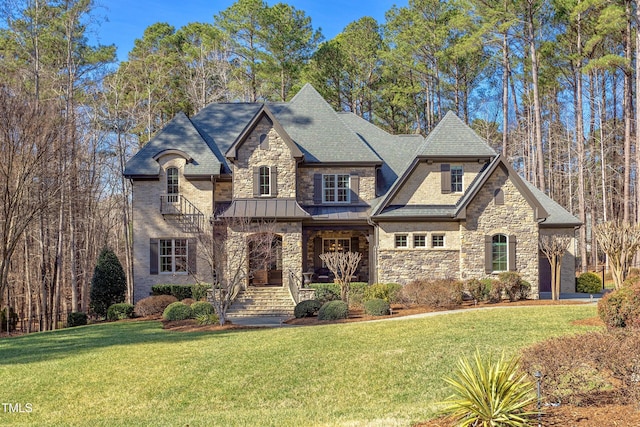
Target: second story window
<point>173,256</point>
<point>335,188</point>
<point>172,185</point>
<point>264,177</point>
<point>456,179</point>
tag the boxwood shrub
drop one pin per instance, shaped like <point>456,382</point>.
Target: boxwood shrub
<point>307,308</point>
<point>201,307</point>
<point>333,310</point>
<point>387,291</point>
<point>120,311</point>
<point>376,307</point>
<point>76,318</point>
<point>177,311</point>
<point>589,283</point>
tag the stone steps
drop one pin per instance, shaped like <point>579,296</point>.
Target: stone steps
<point>262,301</point>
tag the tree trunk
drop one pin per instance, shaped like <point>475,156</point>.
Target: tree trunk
<point>537,115</point>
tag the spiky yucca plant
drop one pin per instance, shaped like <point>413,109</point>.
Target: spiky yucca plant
<point>489,394</point>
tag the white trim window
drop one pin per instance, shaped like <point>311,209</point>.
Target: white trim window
<point>437,240</point>
<point>401,241</point>
<point>172,185</point>
<point>457,174</point>
<point>419,240</point>
<point>336,188</point>
<point>173,256</point>
<point>264,181</point>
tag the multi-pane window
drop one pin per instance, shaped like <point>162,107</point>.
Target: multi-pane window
<point>437,240</point>
<point>419,241</point>
<point>336,245</point>
<point>335,188</point>
<point>401,241</point>
<point>456,179</point>
<point>264,181</point>
<point>499,252</point>
<point>173,255</point>
<point>172,185</point>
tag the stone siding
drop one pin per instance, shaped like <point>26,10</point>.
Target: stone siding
<point>149,224</point>
<point>423,186</point>
<point>363,248</point>
<point>250,155</point>
<point>515,217</point>
<point>404,266</point>
<point>388,230</point>
<point>367,184</point>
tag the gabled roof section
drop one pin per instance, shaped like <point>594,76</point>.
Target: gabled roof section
<point>319,132</point>
<point>452,138</point>
<point>263,112</point>
<point>558,216</point>
<point>180,137</point>
<point>539,211</point>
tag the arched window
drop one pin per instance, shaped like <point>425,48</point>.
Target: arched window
<point>172,185</point>
<point>499,253</point>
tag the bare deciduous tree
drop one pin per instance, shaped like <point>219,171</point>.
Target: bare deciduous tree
<point>554,247</point>
<point>226,247</point>
<point>343,265</point>
<point>619,240</point>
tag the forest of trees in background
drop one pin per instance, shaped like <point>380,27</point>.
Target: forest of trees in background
<point>551,84</point>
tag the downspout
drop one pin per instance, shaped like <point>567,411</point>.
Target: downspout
<point>373,253</point>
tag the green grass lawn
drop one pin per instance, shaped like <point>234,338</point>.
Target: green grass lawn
<point>358,374</point>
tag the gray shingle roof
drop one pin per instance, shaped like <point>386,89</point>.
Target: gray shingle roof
<point>179,134</point>
<point>417,211</point>
<point>340,213</point>
<point>319,132</point>
<point>558,216</point>
<point>452,138</point>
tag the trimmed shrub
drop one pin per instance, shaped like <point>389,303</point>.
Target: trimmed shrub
<point>153,305</point>
<point>13,320</point>
<point>177,311</point>
<point>621,308</point>
<point>120,311</point>
<point>333,310</point>
<point>478,290</point>
<point>356,293</point>
<point>188,301</point>
<point>76,318</point>
<point>108,284</point>
<point>440,293</point>
<point>306,308</point>
<point>376,307</point>
<point>207,319</point>
<point>390,292</point>
<point>513,285</point>
<point>326,293</point>
<point>589,283</point>
<point>199,291</point>
<point>201,307</point>
<point>179,291</point>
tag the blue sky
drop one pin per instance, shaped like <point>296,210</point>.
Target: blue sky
<point>126,20</point>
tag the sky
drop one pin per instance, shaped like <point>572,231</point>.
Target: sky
<point>125,20</point>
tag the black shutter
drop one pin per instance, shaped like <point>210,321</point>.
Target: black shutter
<point>512,252</point>
<point>355,188</point>
<point>355,244</point>
<point>317,250</point>
<point>445,178</point>
<point>256,182</point>
<point>192,255</point>
<point>317,189</point>
<point>488,254</point>
<point>153,256</point>
<point>274,181</point>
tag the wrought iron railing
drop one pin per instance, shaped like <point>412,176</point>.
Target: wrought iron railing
<point>295,283</point>
<point>180,206</point>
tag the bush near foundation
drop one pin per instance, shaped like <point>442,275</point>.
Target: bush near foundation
<point>179,291</point>
<point>333,310</point>
<point>477,289</point>
<point>177,311</point>
<point>201,307</point>
<point>589,283</point>
<point>389,292</point>
<point>307,308</point>
<point>376,307</point>
<point>514,286</point>
<point>153,305</point>
<point>120,311</point>
<point>439,293</point>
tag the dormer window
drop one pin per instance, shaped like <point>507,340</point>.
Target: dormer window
<point>264,179</point>
<point>335,188</point>
<point>451,178</point>
<point>456,179</point>
<point>172,185</point>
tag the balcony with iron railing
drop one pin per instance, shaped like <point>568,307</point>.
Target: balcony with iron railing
<point>178,207</point>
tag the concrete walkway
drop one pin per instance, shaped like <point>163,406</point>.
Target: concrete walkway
<point>278,321</point>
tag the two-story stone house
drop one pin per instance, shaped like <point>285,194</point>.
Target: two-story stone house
<point>445,206</point>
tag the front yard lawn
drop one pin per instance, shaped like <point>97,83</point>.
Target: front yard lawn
<point>136,373</point>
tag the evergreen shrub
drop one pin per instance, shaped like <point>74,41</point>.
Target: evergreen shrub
<point>177,311</point>
<point>589,283</point>
<point>376,307</point>
<point>387,291</point>
<point>307,308</point>
<point>333,310</point>
<point>201,307</point>
<point>76,318</point>
<point>120,311</point>
<point>108,284</point>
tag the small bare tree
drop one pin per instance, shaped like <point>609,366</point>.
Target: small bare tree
<point>343,265</point>
<point>226,246</point>
<point>619,240</point>
<point>554,247</point>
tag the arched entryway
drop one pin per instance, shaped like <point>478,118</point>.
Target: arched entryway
<point>265,259</point>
